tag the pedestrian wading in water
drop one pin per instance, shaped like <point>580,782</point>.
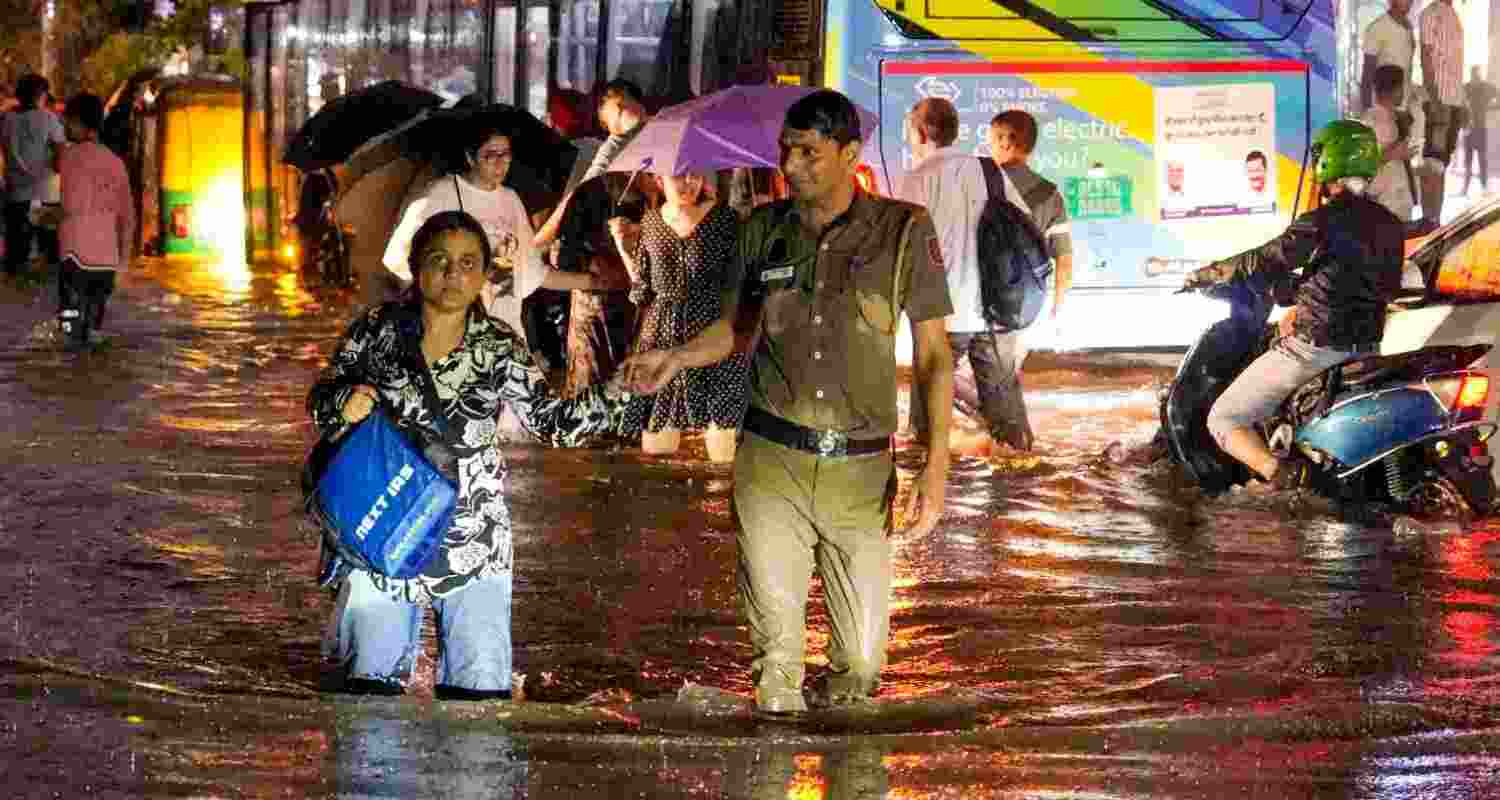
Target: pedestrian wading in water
<point>98,220</point>
<point>819,283</point>
<point>477,364</point>
<point>677,260</point>
<point>29,138</point>
<point>481,192</point>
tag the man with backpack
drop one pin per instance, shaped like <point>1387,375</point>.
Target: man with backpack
<point>968,199</point>
<point>1013,136</point>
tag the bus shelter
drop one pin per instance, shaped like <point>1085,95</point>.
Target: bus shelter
<point>180,139</point>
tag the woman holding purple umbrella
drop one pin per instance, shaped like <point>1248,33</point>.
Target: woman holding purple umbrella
<point>677,259</point>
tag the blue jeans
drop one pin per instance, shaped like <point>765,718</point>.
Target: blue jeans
<point>377,637</point>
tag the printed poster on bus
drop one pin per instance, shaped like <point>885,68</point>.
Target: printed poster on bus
<point>1214,150</point>
<point>1102,140</point>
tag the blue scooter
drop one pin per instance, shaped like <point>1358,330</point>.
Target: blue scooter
<point>1406,429</point>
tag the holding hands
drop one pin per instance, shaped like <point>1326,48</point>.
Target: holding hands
<point>649,372</point>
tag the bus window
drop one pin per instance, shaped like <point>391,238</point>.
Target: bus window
<point>705,19</point>
<point>449,51</point>
<point>538,37</point>
<point>505,54</point>
<point>577,44</point>
<point>643,37</point>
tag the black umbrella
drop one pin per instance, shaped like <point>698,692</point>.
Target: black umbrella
<point>542,159</point>
<point>344,123</point>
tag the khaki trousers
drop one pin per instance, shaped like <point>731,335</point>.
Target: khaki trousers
<point>798,511</point>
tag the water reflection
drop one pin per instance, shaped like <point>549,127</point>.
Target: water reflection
<point>379,756</point>
<point>211,282</point>
<point>1468,615</point>
<point>229,278</point>
<point>1067,611</point>
<point>855,772</point>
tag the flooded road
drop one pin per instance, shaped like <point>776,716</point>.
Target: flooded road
<point>1075,627</point>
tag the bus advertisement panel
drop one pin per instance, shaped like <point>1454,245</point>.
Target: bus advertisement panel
<point>1176,131</point>
<point>1160,164</point>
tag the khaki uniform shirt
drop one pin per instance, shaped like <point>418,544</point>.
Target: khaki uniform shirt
<point>826,356</point>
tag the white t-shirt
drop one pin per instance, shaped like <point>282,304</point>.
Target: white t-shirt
<point>1392,185</point>
<point>505,222</point>
<point>950,184</point>
<point>24,135</point>
<point>1390,42</point>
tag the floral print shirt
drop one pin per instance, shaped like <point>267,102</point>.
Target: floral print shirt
<point>490,367</point>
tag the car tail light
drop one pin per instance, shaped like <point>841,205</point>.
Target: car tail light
<point>1462,392</point>
<point>1474,392</point>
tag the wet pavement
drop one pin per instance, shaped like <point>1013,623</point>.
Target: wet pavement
<point>1075,628</point>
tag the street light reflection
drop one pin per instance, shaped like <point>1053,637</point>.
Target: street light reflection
<point>808,783</point>
<point>221,220</point>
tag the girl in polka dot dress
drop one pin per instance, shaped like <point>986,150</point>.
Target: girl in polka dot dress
<point>677,264</point>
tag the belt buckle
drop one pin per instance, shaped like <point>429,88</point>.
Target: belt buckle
<point>829,443</point>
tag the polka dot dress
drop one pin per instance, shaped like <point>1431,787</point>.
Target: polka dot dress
<point>679,297</point>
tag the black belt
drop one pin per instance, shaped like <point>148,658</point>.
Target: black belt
<point>822,443</point>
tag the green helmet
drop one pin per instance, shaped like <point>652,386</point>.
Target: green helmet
<point>1345,149</point>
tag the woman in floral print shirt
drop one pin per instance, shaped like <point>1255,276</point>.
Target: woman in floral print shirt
<point>476,364</point>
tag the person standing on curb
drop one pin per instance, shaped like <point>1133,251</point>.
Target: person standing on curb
<point>1394,186</point>
<point>1480,95</point>
<point>820,282</point>
<point>1442,44</point>
<point>1388,41</point>
<point>98,218</point>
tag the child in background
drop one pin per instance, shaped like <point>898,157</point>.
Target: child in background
<point>1395,186</point>
<point>98,217</point>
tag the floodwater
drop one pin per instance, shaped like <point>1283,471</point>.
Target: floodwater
<point>1075,627</point>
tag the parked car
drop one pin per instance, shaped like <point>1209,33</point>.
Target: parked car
<point>1451,293</point>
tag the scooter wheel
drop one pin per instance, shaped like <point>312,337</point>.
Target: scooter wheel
<point>1438,498</point>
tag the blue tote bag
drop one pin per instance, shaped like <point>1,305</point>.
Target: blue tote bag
<point>384,504</point>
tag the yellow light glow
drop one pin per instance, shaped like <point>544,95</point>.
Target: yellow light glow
<point>220,217</point>
<point>219,223</point>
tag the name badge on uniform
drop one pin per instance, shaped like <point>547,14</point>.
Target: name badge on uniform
<point>777,273</point>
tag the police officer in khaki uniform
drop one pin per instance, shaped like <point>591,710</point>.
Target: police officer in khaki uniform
<point>822,279</point>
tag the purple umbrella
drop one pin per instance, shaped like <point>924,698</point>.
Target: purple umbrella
<point>736,127</point>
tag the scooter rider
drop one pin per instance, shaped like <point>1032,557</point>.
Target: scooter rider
<point>1351,251</point>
